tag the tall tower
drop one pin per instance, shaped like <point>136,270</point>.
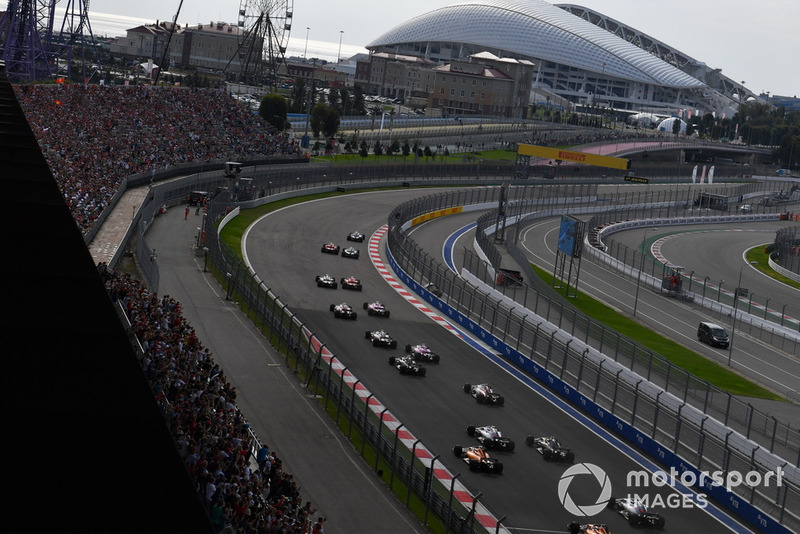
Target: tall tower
<point>37,41</point>
<point>73,43</point>
<point>21,44</point>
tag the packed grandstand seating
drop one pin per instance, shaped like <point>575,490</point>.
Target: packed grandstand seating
<point>240,480</point>
<point>93,137</point>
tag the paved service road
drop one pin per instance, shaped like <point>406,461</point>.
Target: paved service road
<point>277,407</point>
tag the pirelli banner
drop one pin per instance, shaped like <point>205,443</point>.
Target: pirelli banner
<point>558,154</point>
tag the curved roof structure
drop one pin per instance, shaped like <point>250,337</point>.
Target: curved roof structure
<point>534,28</point>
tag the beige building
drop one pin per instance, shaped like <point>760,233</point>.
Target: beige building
<point>395,75</point>
<point>142,42</point>
<point>483,85</point>
<point>210,47</point>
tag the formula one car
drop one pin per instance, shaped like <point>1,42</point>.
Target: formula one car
<point>343,311</point>
<point>326,280</point>
<point>330,248</point>
<point>376,308</point>
<point>351,282</point>
<point>422,353</point>
<point>350,252</point>
<point>381,338</point>
<point>635,512</point>
<point>433,288</point>
<point>478,459</point>
<point>490,437</point>
<point>407,366</point>
<point>355,236</point>
<point>550,449</point>
<point>484,394</point>
<point>577,528</point>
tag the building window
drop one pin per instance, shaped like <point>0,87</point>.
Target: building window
<point>452,92</point>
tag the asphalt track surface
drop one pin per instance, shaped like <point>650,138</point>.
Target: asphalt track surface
<point>284,249</point>
<point>330,473</point>
<point>715,250</point>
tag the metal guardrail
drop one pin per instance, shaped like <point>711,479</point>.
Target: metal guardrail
<point>668,417</point>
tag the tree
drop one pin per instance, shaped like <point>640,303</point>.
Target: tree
<point>676,126</point>
<point>406,149</point>
<point>273,109</point>
<point>363,150</point>
<point>377,149</point>
<point>325,120</point>
<point>358,101</point>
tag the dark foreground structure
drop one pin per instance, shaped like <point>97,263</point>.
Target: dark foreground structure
<point>85,447</point>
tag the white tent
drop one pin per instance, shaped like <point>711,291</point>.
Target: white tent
<point>667,124</point>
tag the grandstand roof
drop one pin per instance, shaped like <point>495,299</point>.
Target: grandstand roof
<point>537,29</point>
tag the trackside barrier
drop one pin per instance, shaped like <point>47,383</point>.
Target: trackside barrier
<point>681,429</point>
<point>356,408</point>
<point>617,425</point>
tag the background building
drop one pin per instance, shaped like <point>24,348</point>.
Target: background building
<point>581,58</point>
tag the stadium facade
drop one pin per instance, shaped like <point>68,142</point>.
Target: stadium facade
<point>581,57</point>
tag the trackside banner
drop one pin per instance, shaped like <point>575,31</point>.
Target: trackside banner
<point>557,154</point>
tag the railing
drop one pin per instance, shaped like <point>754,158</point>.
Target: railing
<point>523,320</point>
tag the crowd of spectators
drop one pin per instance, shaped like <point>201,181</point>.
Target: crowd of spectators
<point>95,136</point>
<point>241,481</point>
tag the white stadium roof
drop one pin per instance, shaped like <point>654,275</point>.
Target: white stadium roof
<point>537,29</point>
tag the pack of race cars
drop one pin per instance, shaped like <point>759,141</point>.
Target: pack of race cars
<point>489,441</point>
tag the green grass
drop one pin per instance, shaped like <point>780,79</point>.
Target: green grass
<point>676,353</point>
<point>758,255</point>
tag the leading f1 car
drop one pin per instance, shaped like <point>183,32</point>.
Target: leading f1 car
<point>490,437</point>
<point>478,459</point>
<point>484,394</point>
<point>355,236</point>
<point>550,449</point>
<point>636,512</point>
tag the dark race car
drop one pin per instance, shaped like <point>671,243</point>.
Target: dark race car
<point>484,394</point>
<point>550,449</point>
<point>596,528</point>
<point>433,288</point>
<point>422,353</point>
<point>343,311</point>
<point>407,366</point>
<point>326,280</point>
<point>330,248</point>
<point>355,236</point>
<point>350,252</point>
<point>380,338</point>
<point>491,438</point>
<point>351,282</point>
<point>376,308</point>
<point>478,459</point>
<point>636,513</point>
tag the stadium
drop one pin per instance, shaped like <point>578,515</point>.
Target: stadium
<point>581,57</point>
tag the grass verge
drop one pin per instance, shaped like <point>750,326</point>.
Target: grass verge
<point>676,353</point>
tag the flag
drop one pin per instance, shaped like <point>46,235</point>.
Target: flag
<point>703,175</point>
<point>60,80</point>
<point>711,175</point>
<point>694,174</point>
